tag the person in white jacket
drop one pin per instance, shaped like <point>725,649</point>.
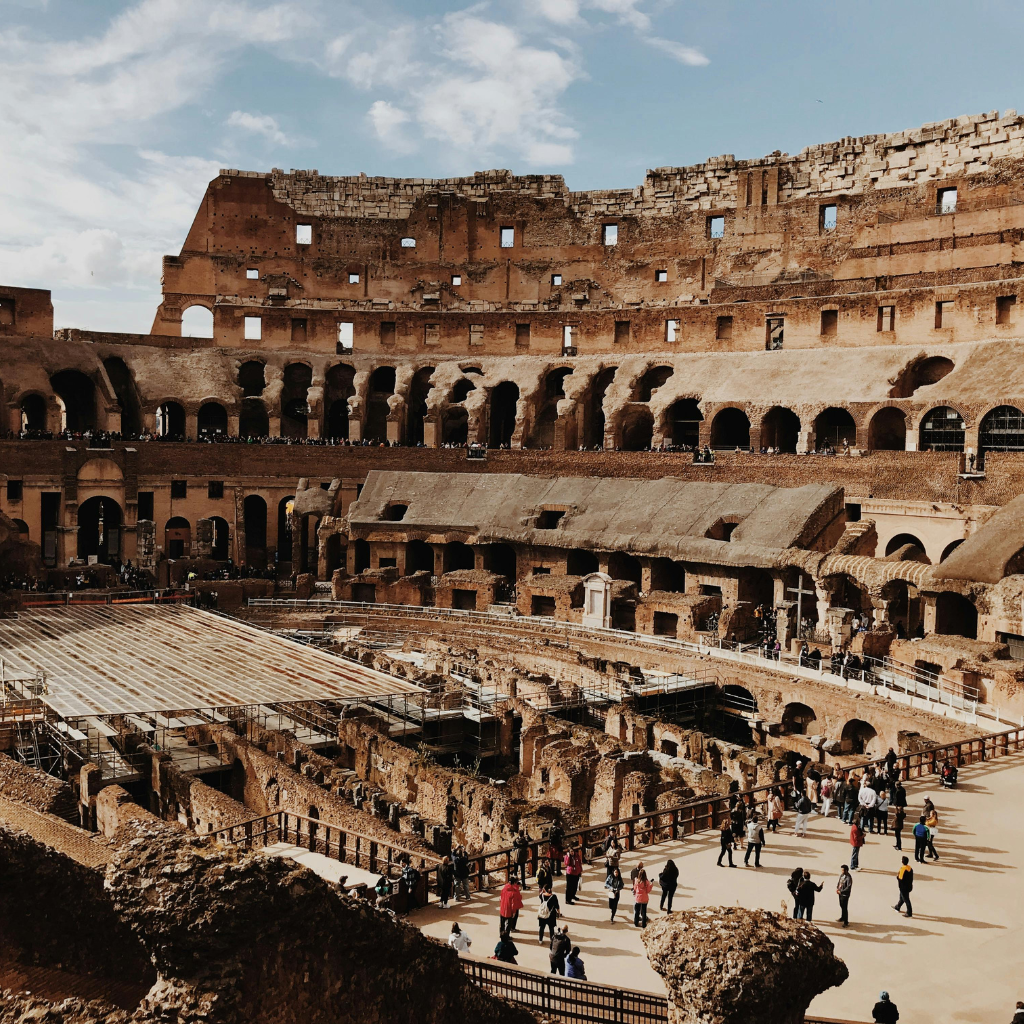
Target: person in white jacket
<point>459,940</point>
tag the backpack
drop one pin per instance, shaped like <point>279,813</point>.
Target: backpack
<point>545,909</point>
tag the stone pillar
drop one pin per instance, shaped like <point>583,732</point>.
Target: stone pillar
<point>192,425</point>
<point>431,432</point>
<point>929,607</point>
<point>837,620</point>
<point>597,601</point>
<point>355,428</point>
<point>394,431</point>
<point>233,424</point>
<point>731,965</point>
<point>805,442</point>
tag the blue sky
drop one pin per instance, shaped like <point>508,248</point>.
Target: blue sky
<point>113,116</point>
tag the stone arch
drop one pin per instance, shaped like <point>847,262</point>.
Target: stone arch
<point>100,519</point>
<point>339,387</point>
<point>681,423</point>
<point>835,428</point>
<point>942,430</point>
<point>594,420</point>
<point>738,697</point>
<point>221,549</point>
<point>502,418</point>
<point>170,421</point>
<point>919,373</point>
<point>860,738</point>
<point>1001,430</point>
<point>285,507</point>
<point>901,540</point>
<point>252,378</point>
<point>730,429</point>
<point>77,394</point>
<point>797,718</point>
<point>458,555</point>
<point>949,549</point>
<point>177,537</point>
<point>956,615</point>
<point>454,425</point>
<point>653,378</point>
<point>461,389</point>
<point>123,383</point>
<point>253,420</point>
<point>33,411</point>
<point>380,388</point>
<point>334,553</point>
<point>298,378</point>
<point>637,429</point>
<point>212,420</point>
<point>780,428</point>
<point>419,557</point>
<point>197,321</point>
<point>887,430</point>
<point>416,404</point>
<point>254,515</point>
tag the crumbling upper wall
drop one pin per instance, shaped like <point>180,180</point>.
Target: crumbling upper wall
<point>35,788</point>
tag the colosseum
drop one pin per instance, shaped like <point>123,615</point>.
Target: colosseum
<point>443,536</point>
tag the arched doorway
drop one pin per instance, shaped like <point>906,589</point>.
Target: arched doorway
<point>682,423</point>
<point>170,421</point>
<point>942,430</point>
<point>797,718</point>
<point>501,558</point>
<point>835,428</point>
<point>197,322</point>
<point>623,566</point>
<point>99,530</point>
<point>221,550</point>
<point>298,378</point>
<point>887,431</point>
<point>419,557</point>
<point>916,554</point>
<point>859,737</point>
<point>362,556</point>
<point>33,412</point>
<point>252,378</point>
<point>381,388</point>
<point>416,406</point>
<point>178,537</point>
<point>502,420</point>
<point>738,698</point>
<point>454,425</point>
<point>653,378</point>
<point>285,507</point>
<point>254,515</point>
<point>339,389</point>
<point>122,382</point>
<point>212,420</point>
<point>77,395</point>
<point>334,553</point>
<point>1002,430</point>
<point>253,420</point>
<point>458,556</point>
<point>955,615</point>
<point>730,429</point>
<point>593,432</point>
<point>637,429</point>
<point>780,429</point>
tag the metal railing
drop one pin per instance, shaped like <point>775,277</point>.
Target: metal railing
<point>64,598</point>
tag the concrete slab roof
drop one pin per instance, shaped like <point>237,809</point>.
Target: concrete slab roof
<point>985,555</point>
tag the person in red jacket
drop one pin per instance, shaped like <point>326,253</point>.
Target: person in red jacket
<point>573,873</point>
<point>856,841</point>
<point>511,904</point>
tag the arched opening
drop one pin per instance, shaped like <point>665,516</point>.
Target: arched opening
<point>77,394</point>
<point>338,389</point>
<point>170,421</point>
<point>298,378</point>
<point>99,530</point>
<point>637,429</point>
<point>887,431</point>
<point>544,427</point>
<point>581,563</point>
<point>942,430</point>
<point>623,566</point>
<point>847,593</point>
<point>949,549</point>
<point>121,381</point>
<point>504,399</point>
<point>254,515</point>
<point>652,379</point>
<point>381,388</point>
<point>458,556</point>
<point>554,383</point>
<point>780,429</point>
<point>915,553</point>
<point>23,530</point>
<point>253,420</point>
<point>221,549</point>
<point>668,576</point>
<point>454,425</point>
<point>335,553</point>
<point>859,737</point>
<point>920,373</point>
<point>730,429</point>
<point>33,412</point>
<point>797,718</point>
<point>362,556</point>
<point>178,537</point>
<point>416,407</point>
<point>419,557</point>
<point>285,507</point>
<point>682,423</point>
<point>835,428</point>
<point>252,378</point>
<point>197,322</point>
<point>1002,430</point>
<point>955,615</point>
<point>902,611</point>
<point>461,389</point>
<point>593,433</point>
<point>212,420</point>
<point>501,558</point>
<point>738,698</point>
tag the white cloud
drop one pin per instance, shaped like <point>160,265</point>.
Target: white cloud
<point>683,54</point>
<point>561,12</point>
<point>387,122</point>
<point>259,124</point>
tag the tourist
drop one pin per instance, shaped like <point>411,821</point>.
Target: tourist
<point>843,889</point>
<point>890,765</point>
<point>384,890</point>
<point>920,840</point>
<point>459,940</point>
<point>738,816</point>
<point>932,823</point>
<point>445,881</point>
<point>1018,1017</point>
<point>460,870</point>
<point>905,882</point>
<point>511,904</point>
<point>803,808</point>
<point>839,790</point>
<point>547,913</point>
<point>793,885</point>
<point>899,794</point>
<point>573,873</point>
<point>521,845</point>
<point>614,885</point>
<point>410,881</point>
<point>899,817</point>
<point>856,842</point>
<point>776,808</point>
<point>867,798</point>
<point>641,895</point>
<point>574,965</point>
<point>755,840</point>
<point>612,855</point>
<point>805,897</point>
<point>559,949</point>
<point>726,839</point>
<point>884,1011</point>
<point>545,876</point>
<point>506,950</point>
<point>668,880</point>
<point>555,839</point>
<point>850,801</point>
<point>827,788</point>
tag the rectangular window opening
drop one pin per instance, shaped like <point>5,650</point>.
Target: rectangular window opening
<point>661,276</point>
<point>146,505</point>
<point>299,331</point>
<point>829,323</point>
<point>345,335</point>
<point>387,332</point>
<point>508,238</point>
<point>723,329</point>
<point>456,280</point>
<point>942,312</point>
<point>716,227</point>
<point>303,234</point>
<point>621,332</point>
<point>946,200</point>
<point>14,490</point>
<point>215,489</point>
<point>549,519</point>
<point>408,243</point>
<point>476,334</point>
<point>431,334</point>
<point>827,217</point>
<point>775,327</point>
<point>6,312</point>
<point>353,278</point>
<point>568,336</point>
<point>556,280</point>
<point>252,274</point>
<point>1004,308</point>
<point>672,329</point>
<point>610,234</point>
<point>179,488</point>
<point>522,335</point>
<point>253,328</point>
<point>886,318</point>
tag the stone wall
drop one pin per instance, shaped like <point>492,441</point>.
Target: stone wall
<point>37,789</point>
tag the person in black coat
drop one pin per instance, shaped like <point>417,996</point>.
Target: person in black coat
<point>668,880</point>
<point>805,897</point>
<point>884,1011</point>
